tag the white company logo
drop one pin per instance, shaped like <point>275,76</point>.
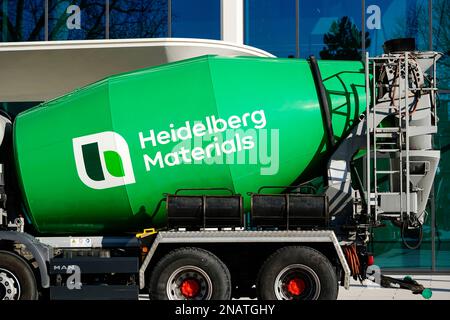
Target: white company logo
<point>103,160</point>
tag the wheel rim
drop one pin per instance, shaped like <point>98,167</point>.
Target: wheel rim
<point>189,283</point>
<point>297,282</point>
<point>9,286</point>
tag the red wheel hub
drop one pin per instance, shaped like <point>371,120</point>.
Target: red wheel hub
<point>189,288</point>
<point>295,286</point>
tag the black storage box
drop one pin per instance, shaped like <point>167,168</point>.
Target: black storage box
<point>289,211</point>
<point>204,211</point>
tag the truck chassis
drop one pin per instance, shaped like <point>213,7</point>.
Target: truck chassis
<point>220,263</point>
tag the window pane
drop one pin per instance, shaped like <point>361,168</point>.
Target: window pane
<point>441,43</point>
<point>196,19</point>
<point>442,185</point>
<point>390,19</point>
<point>270,25</point>
<point>76,19</point>
<point>22,20</point>
<point>330,29</point>
<point>441,40</point>
<point>390,251</point>
<point>138,19</point>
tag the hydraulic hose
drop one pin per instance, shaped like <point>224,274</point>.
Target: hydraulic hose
<point>419,239</point>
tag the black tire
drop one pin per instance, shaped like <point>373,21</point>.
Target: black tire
<point>186,264</point>
<point>17,280</point>
<point>297,273</point>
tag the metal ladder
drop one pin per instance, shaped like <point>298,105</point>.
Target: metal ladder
<point>394,141</point>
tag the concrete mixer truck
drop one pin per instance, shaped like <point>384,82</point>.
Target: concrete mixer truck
<point>216,178</point>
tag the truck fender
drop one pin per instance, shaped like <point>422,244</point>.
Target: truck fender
<point>41,253</point>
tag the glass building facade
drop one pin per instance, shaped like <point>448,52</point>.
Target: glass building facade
<point>328,29</point>
<point>37,20</point>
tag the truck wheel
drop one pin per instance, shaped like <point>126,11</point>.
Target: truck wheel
<point>190,274</point>
<point>17,281</point>
<point>297,273</point>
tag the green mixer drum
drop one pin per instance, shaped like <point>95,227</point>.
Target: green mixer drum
<point>99,159</point>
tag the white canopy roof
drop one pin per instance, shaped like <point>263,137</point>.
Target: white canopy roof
<point>38,71</point>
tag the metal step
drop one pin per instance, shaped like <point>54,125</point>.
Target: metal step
<point>388,150</point>
<point>387,172</point>
<point>389,215</point>
<point>386,193</point>
<point>387,85</point>
<point>387,130</point>
<point>413,130</point>
<point>386,143</point>
<point>384,109</point>
<point>391,135</point>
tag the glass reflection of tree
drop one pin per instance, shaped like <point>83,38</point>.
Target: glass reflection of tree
<point>417,26</point>
<point>138,18</point>
<point>441,39</point>
<point>343,41</point>
<point>413,24</point>
<point>92,19</point>
<point>24,20</point>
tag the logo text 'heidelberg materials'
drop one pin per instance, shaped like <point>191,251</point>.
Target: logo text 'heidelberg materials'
<point>103,159</point>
